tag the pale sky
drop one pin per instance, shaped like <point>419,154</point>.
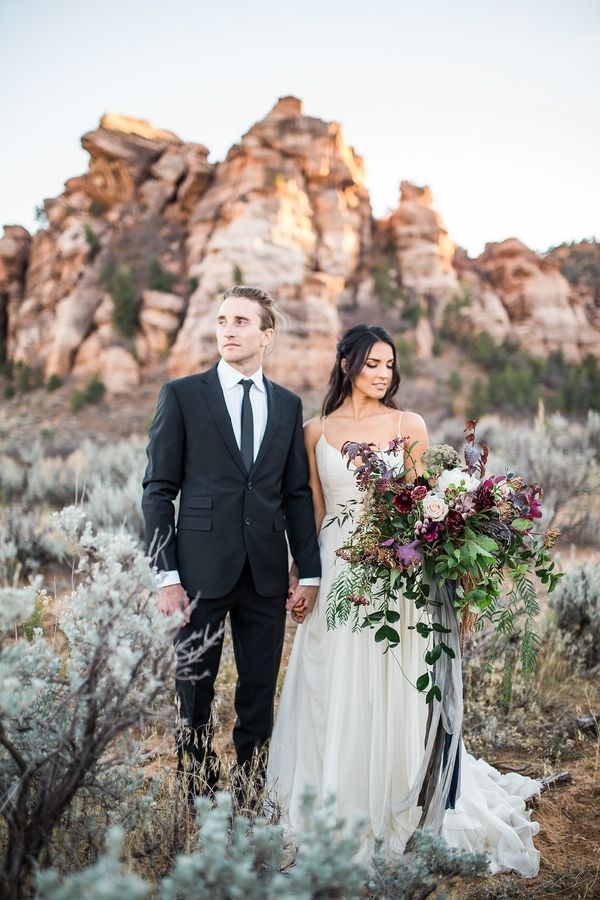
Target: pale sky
<point>493,105</point>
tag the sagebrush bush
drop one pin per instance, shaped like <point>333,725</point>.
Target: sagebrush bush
<point>67,717</point>
<point>576,605</point>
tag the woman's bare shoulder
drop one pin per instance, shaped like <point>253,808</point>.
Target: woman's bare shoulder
<point>313,428</point>
<point>411,419</point>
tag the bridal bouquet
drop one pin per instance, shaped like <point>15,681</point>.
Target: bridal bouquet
<point>453,525</point>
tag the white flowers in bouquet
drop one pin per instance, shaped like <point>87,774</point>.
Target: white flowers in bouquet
<point>457,479</point>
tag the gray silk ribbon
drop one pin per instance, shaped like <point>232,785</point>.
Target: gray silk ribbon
<point>436,786</point>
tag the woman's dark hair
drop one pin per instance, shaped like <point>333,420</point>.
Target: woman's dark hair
<point>354,347</point>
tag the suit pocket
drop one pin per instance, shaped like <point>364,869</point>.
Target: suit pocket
<point>199,502</point>
<point>193,523</point>
<point>279,523</point>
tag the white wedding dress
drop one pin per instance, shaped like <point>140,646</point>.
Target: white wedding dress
<point>351,725</point>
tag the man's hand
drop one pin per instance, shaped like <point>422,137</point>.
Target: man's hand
<point>293,580</point>
<point>302,601</point>
<point>172,599</point>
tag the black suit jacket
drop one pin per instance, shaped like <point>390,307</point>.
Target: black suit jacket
<point>225,513</point>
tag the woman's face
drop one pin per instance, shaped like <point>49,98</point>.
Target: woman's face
<point>375,377</point>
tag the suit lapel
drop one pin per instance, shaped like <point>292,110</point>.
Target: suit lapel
<point>215,401</point>
<point>273,411</point>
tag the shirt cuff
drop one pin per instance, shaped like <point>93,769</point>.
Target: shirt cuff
<point>309,582</point>
<point>165,579</point>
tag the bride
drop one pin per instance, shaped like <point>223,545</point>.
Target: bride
<point>350,722</point>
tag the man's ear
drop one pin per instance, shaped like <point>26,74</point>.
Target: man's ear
<point>267,337</point>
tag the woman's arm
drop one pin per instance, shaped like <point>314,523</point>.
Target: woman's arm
<point>312,432</point>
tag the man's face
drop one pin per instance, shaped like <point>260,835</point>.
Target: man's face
<point>239,336</point>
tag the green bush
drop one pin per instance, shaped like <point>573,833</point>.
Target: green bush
<point>454,380</point>
<point>119,284</point>
<point>77,401</point>
<point>158,278</point>
<point>405,354</point>
<point>238,275</point>
<point>98,207</point>
<point>9,391</point>
<point>53,383</point>
<point>193,284</point>
<point>92,240</point>
<point>93,392</point>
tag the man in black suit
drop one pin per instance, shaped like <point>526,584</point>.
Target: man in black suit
<point>230,442</point>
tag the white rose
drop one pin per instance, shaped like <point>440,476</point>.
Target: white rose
<point>458,479</point>
<point>435,508</point>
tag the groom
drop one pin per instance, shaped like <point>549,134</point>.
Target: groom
<point>230,442</point>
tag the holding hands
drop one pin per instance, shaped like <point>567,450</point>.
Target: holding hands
<point>301,597</point>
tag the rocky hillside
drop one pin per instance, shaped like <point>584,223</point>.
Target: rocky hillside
<point>124,277</point>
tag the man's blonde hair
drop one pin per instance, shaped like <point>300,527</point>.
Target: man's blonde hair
<point>270,314</point>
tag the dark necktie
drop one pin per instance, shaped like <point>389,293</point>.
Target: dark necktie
<point>247,430</point>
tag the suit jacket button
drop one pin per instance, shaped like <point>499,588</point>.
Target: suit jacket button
<point>250,485</point>
<point>246,521</point>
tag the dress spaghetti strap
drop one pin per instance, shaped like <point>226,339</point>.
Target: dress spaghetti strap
<point>400,423</point>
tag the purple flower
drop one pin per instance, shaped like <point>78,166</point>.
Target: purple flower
<point>431,531</point>
<point>409,554</point>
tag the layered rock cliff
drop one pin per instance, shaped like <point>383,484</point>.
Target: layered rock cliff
<point>126,275</point>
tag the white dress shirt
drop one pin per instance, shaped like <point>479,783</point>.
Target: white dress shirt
<point>233,393</point>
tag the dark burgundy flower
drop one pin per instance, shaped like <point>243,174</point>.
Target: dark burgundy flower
<point>403,501</point>
<point>419,492</point>
<point>454,522</point>
<point>431,531</point>
<point>484,497</point>
<point>409,554</point>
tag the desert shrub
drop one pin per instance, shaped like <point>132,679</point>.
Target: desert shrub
<point>93,392</point>
<point>118,281</point>
<point>66,719</point>
<point>158,277</point>
<point>234,857</point>
<point>454,380</point>
<point>405,353</point>
<point>93,241</point>
<point>576,606</point>
<point>420,874</point>
<point>237,274</point>
<point>98,207</point>
<point>53,383</point>
<point>77,401</point>
<point>106,480</point>
<point>9,391</point>
<point>27,541</point>
<point>193,284</point>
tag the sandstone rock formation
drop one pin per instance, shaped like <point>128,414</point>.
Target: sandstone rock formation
<point>126,276</point>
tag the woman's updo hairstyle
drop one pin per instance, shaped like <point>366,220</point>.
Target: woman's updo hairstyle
<point>354,348</point>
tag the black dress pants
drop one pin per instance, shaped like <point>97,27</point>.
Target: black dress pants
<point>257,626</point>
